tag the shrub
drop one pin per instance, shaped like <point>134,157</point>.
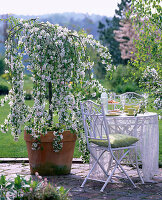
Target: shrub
<point>28,96</point>
<point>2,65</point>
<point>121,81</point>
<point>4,87</point>
<point>53,193</point>
<point>7,77</point>
<point>127,87</point>
<point>38,189</point>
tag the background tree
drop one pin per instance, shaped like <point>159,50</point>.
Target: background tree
<point>3,34</point>
<point>99,69</point>
<point>119,37</point>
<point>147,20</point>
<point>106,32</point>
<point>106,35</point>
<point>148,23</point>
<point>4,28</point>
<point>125,35</point>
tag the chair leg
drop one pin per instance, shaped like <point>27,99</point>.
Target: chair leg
<point>119,161</point>
<point>117,164</point>
<point>109,166</point>
<point>109,178</point>
<point>85,180</point>
<point>97,161</point>
<point>113,171</point>
<point>127,175</point>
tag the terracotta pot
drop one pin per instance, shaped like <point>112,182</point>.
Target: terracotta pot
<point>47,162</point>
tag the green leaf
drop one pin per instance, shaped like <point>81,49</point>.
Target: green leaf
<point>9,186</point>
<point>3,180</point>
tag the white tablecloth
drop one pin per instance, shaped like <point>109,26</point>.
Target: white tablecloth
<point>148,146</point>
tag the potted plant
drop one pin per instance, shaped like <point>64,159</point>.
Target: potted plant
<point>62,70</point>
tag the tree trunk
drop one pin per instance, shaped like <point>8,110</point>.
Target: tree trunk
<point>50,102</point>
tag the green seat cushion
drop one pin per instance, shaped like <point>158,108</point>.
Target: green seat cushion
<point>116,141</point>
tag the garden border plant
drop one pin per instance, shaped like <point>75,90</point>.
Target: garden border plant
<point>60,65</point>
<point>30,188</point>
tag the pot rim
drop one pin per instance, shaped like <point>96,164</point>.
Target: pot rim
<point>49,137</point>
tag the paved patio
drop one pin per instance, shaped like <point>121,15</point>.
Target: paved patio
<point>114,191</point>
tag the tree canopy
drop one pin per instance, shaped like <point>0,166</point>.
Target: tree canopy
<point>106,32</point>
<point>147,20</point>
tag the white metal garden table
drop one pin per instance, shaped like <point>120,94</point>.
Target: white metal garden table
<point>148,146</point>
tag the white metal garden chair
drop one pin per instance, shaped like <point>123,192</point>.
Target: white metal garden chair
<point>132,99</point>
<point>97,136</point>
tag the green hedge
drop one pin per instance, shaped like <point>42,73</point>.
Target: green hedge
<point>4,86</point>
<point>121,80</point>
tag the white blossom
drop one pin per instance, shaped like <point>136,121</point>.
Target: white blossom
<point>57,56</point>
<point>94,94</point>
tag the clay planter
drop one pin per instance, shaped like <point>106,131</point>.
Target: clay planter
<point>47,162</point>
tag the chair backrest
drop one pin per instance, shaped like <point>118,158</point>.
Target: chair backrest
<point>123,125</point>
<point>94,121</point>
<point>132,98</point>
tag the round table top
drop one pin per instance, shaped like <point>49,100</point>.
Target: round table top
<point>146,114</point>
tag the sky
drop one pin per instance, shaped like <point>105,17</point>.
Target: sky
<point>39,7</point>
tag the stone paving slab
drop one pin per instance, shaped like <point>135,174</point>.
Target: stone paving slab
<point>26,160</point>
<point>15,160</point>
<point>114,191</point>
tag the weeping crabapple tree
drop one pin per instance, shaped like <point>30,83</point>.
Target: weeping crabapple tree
<point>61,66</point>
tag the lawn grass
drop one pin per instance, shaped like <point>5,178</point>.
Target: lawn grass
<point>11,149</point>
<point>28,85</point>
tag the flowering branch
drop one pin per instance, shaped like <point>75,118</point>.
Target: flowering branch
<point>58,60</point>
